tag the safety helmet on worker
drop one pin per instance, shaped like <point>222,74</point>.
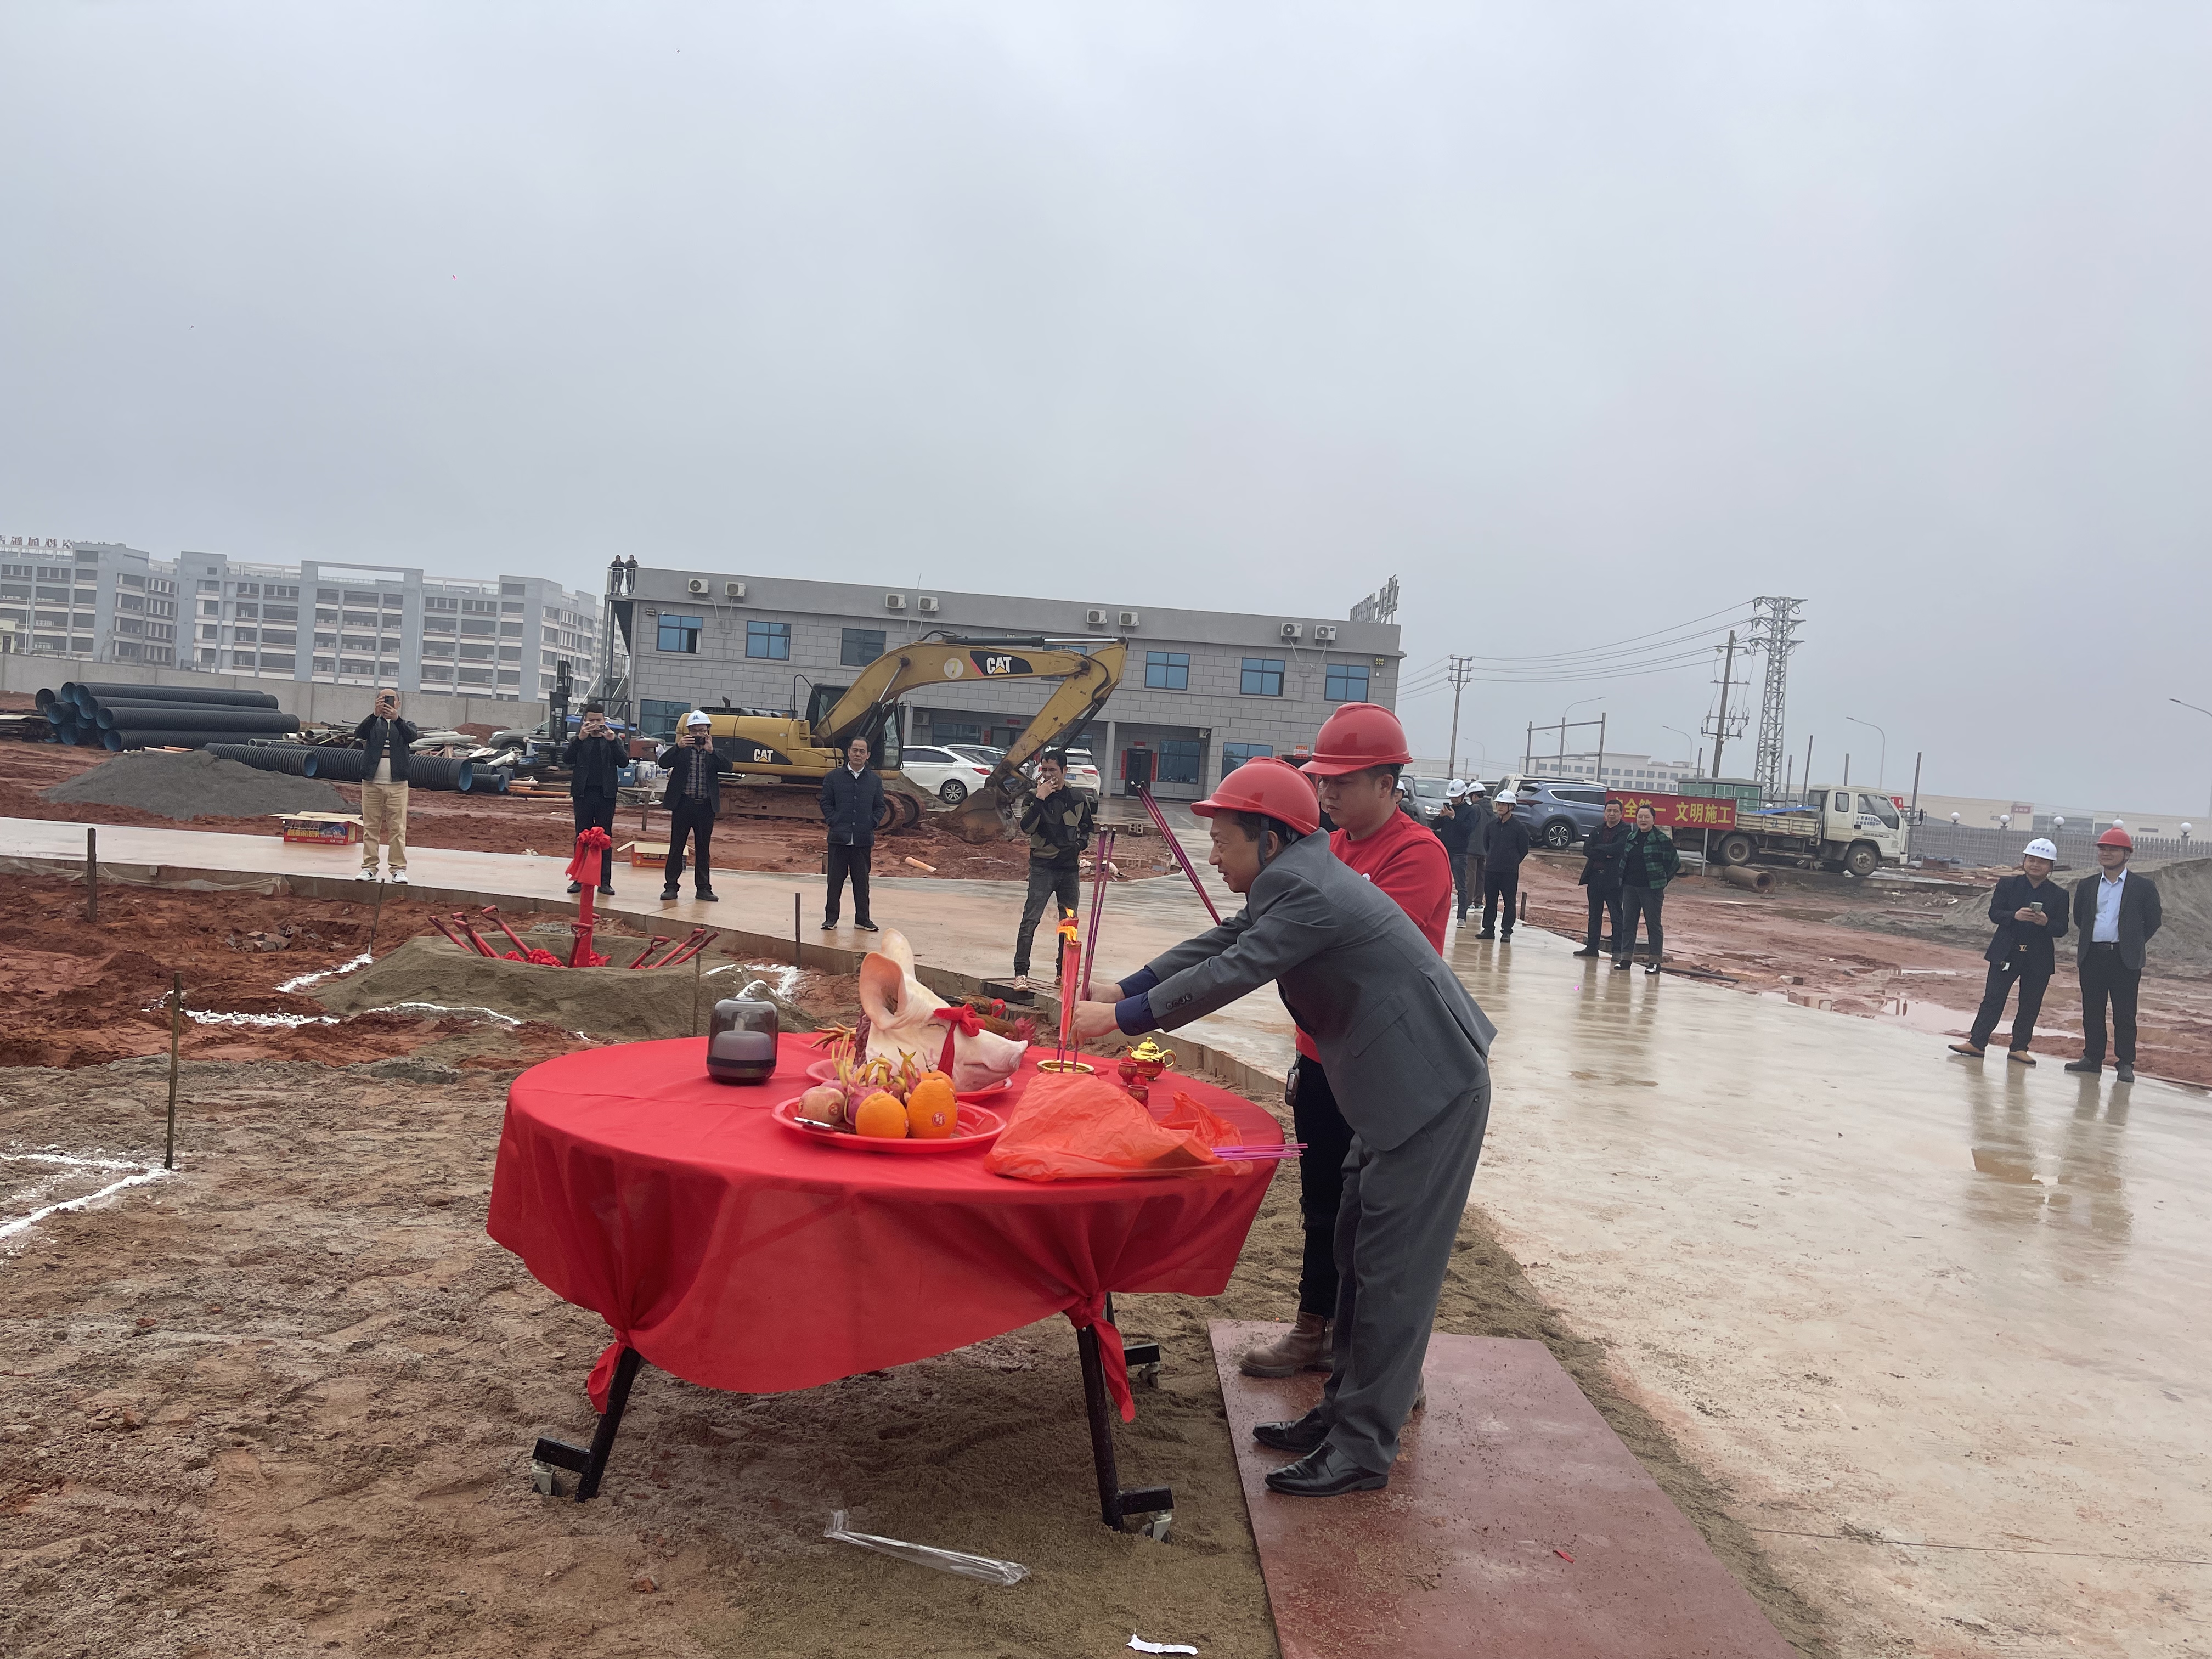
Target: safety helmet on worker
<point>1358,735</point>
<point>696,719</point>
<point>2116,836</point>
<point>1455,789</point>
<point>2040,848</point>
<point>1273,788</point>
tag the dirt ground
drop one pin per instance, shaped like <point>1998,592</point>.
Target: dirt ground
<point>1906,952</point>
<point>282,1402</point>
<point>515,823</point>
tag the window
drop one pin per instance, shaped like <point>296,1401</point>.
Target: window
<point>1179,760</point>
<point>1347,683</point>
<point>679,632</point>
<point>1816,799</point>
<point>1167,671</point>
<point>955,730</point>
<point>1263,677</point>
<point>1234,755</point>
<point>657,719</point>
<point>859,646</point>
<point>1882,807</point>
<point>919,756</point>
<point>768,639</point>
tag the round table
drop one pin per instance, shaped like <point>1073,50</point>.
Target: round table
<point>737,1254</point>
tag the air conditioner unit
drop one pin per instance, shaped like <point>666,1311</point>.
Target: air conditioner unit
<point>894,601</point>
<point>1293,630</point>
<point>735,590</point>
<point>1130,619</point>
<point>926,605</point>
<point>1093,618</point>
<point>1324,631</point>
<point>697,585</point>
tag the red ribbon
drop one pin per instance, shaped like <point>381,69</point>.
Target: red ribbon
<point>1082,1314</point>
<point>602,1374</point>
<point>593,839</point>
<point>961,1021</point>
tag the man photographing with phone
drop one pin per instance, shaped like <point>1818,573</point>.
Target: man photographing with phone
<point>595,758</point>
<point>694,798</point>
<point>385,742</point>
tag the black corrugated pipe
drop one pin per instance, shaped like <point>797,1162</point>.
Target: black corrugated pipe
<point>290,758</point>
<point>45,699</point>
<point>118,741</point>
<point>196,720</point>
<point>488,780</point>
<point>86,692</point>
<point>336,765</point>
<point>434,772</point>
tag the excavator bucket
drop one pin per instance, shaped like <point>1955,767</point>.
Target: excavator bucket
<point>983,818</point>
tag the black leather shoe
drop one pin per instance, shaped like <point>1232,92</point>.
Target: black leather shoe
<point>2085,1065</point>
<point>2126,1072</point>
<point>1485,933</point>
<point>669,893</point>
<point>575,886</point>
<point>1327,1473</point>
<point>865,926</point>
<point>606,891</point>
<point>1306,1435</point>
<point>708,896</point>
<point>1585,953</point>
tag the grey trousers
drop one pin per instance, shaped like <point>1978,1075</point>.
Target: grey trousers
<point>1394,1231</point>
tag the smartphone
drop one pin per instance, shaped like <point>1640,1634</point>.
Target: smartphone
<point>2036,905</point>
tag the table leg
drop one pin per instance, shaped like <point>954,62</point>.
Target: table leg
<point>591,1465</point>
<point>1115,1505</point>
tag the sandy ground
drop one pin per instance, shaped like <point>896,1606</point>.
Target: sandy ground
<point>282,1401</point>
<point>514,823</point>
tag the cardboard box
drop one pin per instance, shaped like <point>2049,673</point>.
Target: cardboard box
<point>647,852</point>
<point>320,828</point>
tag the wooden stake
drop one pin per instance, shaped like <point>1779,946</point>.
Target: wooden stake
<point>176,1031</point>
<point>794,930</point>
<point>698,963</point>
<point>376,916</point>
<point>92,875</point>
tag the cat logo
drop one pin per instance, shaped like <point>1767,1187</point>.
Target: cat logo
<point>989,664</point>
<point>764,754</point>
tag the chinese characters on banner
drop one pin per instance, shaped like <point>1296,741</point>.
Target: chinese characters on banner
<point>1682,811</point>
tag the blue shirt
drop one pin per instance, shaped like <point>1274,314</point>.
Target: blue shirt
<point>2107,928</point>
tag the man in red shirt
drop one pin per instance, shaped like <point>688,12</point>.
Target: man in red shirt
<point>1357,755</point>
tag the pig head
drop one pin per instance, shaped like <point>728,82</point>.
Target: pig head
<point>899,1007</point>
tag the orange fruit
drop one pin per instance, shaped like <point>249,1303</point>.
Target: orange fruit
<point>881,1114</point>
<point>932,1108</point>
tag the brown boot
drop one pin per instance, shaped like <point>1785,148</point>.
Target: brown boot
<point>1303,1347</point>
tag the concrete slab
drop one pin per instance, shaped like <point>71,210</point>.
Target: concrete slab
<point>1515,1525</point>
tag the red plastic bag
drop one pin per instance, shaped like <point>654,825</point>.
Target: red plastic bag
<point>1070,1125</point>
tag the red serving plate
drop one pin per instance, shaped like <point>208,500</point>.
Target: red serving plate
<point>977,1126</point>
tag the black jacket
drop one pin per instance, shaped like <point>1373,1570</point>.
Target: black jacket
<point>375,732</point>
<point>1502,843</point>
<point>2140,916</point>
<point>678,758</point>
<point>1455,826</point>
<point>594,764</point>
<point>850,805</point>
<point>1059,829</point>
<point>1603,849</point>
<point>2023,941</point>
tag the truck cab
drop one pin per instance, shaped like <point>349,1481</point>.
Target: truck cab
<point>1853,819</point>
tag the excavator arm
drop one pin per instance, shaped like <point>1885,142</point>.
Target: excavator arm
<point>1090,679</point>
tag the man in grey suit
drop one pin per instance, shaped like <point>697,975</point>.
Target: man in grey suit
<point>1405,1046</point>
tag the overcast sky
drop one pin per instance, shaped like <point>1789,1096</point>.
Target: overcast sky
<point>1584,320</point>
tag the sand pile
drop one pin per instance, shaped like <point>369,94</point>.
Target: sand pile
<point>196,786</point>
<point>2184,895</point>
<point>625,1005</point>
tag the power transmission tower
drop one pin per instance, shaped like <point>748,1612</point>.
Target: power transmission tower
<point>1774,626</point>
<point>1460,671</point>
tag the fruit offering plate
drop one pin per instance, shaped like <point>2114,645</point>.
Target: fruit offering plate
<point>976,1128</point>
<point>825,1070</point>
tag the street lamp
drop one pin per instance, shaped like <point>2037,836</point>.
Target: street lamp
<point>1882,766</point>
<point>1563,713</point>
<point>2190,705</point>
<point>1687,739</point>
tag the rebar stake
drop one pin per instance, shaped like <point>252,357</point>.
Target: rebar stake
<point>176,1031</point>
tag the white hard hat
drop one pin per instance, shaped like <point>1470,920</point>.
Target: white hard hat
<point>1507,797</point>
<point>1454,789</point>
<point>2040,848</point>
<point>697,717</point>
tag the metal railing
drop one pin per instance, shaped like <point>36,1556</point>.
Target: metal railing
<point>1964,844</point>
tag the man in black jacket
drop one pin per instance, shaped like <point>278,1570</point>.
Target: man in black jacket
<point>2031,917</point>
<point>1601,851</point>
<point>386,741</point>
<point>1504,842</point>
<point>595,758</point>
<point>694,798</point>
<point>1058,821</point>
<point>851,801</point>
<point>1455,826</point>
<point>2115,914</point>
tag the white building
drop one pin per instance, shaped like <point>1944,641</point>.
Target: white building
<point>1620,770</point>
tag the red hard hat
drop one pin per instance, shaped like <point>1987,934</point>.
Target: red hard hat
<point>2116,836</point>
<point>1272,787</point>
<point>1358,736</point>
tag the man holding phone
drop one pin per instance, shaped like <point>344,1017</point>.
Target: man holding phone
<point>1058,821</point>
<point>385,743</point>
<point>694,798</point>
<point>2030,912</point>
<point>595,758</point>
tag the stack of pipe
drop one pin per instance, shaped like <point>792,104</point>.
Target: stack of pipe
<point>126,716</point>
<point>424,771</point>
<point>290,758</point>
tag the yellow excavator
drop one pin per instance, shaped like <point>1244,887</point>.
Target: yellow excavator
<point>764,745</point>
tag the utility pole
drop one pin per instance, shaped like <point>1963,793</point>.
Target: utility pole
<point>1460,671</point>
<point>1774,630</point>
<point>1719,733</point>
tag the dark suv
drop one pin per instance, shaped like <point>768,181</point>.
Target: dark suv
<point>1559,814</point>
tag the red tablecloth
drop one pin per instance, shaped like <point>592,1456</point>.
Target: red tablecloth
<point>734,1253</point>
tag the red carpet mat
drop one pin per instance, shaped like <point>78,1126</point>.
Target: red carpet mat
<point>1516,1524</point>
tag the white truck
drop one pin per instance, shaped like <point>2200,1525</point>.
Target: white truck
<point>1839,827</point>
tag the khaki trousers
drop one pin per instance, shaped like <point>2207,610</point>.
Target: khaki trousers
<point>384,819</point>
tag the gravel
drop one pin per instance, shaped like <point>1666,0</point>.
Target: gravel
<point>196,786</point>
